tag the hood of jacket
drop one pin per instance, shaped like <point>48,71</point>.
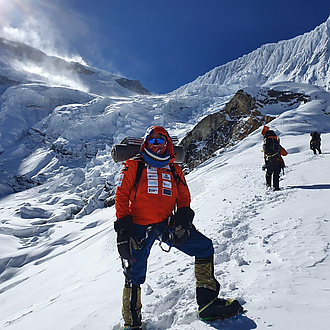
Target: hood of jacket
<point>158,130</point>
<point>264,130</point>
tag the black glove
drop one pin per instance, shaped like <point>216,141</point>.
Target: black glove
<point>184,217</point>
<point>125,240</point>
<point>264,167</point>
<point>182,221</point>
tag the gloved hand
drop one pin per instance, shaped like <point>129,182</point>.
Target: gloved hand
<point>182,225</point>
<point>264,167</point>
<point>125,240</point>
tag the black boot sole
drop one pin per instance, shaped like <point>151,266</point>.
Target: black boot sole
<point>228,312</point>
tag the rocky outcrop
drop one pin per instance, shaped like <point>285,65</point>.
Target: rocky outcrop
<point>239,118</point>
<point>266,97</point>
<point>133,85</point>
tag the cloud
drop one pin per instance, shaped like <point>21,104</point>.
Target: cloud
<point>56,30</point>
<point>53,29</point>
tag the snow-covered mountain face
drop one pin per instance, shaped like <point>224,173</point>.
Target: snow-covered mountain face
<point>33,84</point>
<point>22,64</point>
<point>304,59</point>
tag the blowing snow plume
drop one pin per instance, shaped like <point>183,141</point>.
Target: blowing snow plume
<point>36,24</point>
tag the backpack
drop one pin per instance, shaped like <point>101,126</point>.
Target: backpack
<point>271,146</point>
<point>315,136</point>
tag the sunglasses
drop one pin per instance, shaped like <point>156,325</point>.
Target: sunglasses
<point>158,140</point>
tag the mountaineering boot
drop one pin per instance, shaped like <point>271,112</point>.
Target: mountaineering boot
<point>207,287</point>
<point>220,309</point>
<point>132,306</point>
<point>207,290</point>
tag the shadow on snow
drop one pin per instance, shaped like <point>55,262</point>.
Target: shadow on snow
<point>241,322</point>
<point>313,186</point>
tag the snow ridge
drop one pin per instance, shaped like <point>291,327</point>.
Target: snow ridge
<point>302,59</point>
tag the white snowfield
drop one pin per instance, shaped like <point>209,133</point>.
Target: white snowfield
<point>59,265</point>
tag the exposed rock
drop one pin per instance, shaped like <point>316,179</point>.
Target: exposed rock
<point>266,97</point>
<point>133,85</point>
<point>238,119</point>
<point>222,129</point>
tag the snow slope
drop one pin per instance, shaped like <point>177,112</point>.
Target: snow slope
<point>271,248</point>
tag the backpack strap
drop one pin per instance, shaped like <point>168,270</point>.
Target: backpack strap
<point>177,177</point>
<point>141,166</point>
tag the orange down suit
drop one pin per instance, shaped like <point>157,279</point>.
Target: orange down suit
<point>154,198</point>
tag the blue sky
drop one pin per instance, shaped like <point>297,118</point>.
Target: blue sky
<point>164,44</point>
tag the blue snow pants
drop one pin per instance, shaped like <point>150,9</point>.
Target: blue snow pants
<point>197,245</point>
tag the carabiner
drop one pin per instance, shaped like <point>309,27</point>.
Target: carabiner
<point>169,247</point>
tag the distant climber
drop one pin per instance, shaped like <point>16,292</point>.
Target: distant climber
<point>273,153</point>
<point>315,142</point>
